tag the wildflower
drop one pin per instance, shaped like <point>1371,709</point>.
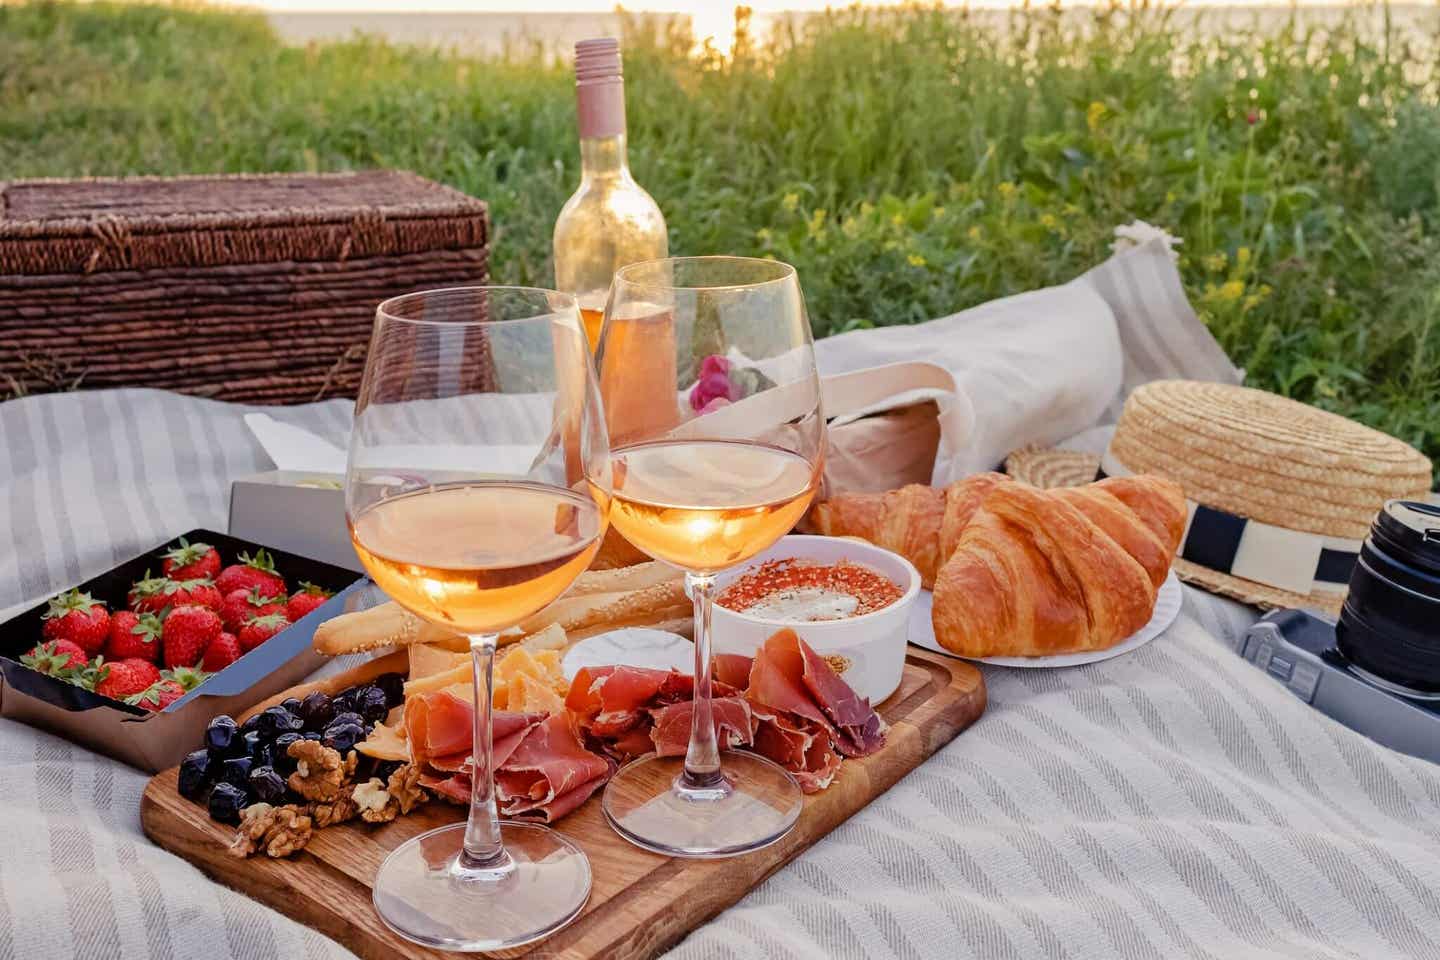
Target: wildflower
<point>938,212</point>
<point>816,226</point>
<point>896,220</point>
<point>916,260</point>
<point>1242,257</point>
<point>866,208</point>
<point>1215,262</point>
<point>1231,290</point>
<point>850,227</point>
<point>1170,196</point>
<point>1094,115</point>
<point>1252,118</point>
<point>790,202</point>
<point>763,235</point>
<point>974,234</point>
<point>1049,222</point>
<point>1006,189</point>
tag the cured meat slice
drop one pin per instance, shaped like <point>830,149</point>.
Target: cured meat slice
<point>799,745</point>
<point>549,773</point>
<point>789,676</point>
<point>731,669</point>
<point>608,701</point>
<point>440,729</point>
<point>670,736</point>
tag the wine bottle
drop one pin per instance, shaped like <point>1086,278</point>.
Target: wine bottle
<point>609,220</point>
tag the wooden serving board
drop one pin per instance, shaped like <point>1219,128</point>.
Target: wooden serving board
<point>641,903</point>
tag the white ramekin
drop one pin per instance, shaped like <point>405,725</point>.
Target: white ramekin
<point>872,645</point>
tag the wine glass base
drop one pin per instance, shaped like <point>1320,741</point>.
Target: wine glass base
<point>424,895</point>
<point>758,804</point>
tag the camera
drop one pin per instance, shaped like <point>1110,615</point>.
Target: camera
<point>1376,669</point>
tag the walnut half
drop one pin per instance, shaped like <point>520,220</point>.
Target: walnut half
<point>405,787</point>
<point>279,831</point>
<point>319,771</point>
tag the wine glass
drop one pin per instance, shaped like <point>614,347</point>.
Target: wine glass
<point>707,372</point>
<point>477,490</point>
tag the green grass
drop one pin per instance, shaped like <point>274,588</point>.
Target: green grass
<point>909,163</point>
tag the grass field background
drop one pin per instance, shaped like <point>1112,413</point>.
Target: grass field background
<point>910,163</point>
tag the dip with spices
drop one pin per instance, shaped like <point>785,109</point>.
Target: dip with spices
<point>804,591</point>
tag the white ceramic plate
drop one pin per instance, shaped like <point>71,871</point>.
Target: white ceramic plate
<point>1167,608</point>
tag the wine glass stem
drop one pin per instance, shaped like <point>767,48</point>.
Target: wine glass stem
<point>702,758</point>
<point>482,849</point>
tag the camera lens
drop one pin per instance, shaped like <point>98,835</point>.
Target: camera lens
<point>1390,624</point>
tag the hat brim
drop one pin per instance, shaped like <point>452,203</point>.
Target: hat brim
<point>1047,469</point>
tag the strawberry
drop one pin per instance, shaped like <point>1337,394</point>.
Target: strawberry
<point>260,629</point>
<point>188,677</point>
<point>79,618</point>
<point>158,696</point>
<point>145,594</point>
<point>240,606</point>
<point>187,632</point>
<point>154,594</point>
<point>257,572</point>
<point>191,561</point>
<point>307,598</point>
<point>125,678</point>
<point>223,651</point>
<point>198,592</point>
<point>133,635</point>
<point>58,658</point>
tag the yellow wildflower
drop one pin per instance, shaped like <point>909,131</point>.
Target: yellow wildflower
<point>974,234</point>
<point>1215,262</point>
<point>938,212</point>
<point>866,208</point>
<point>1006,189</point>
<point>816,226</point>
<point>1049,222</point>
<point>1231,290</point>
<point>1242,257</point>
<point>1095,114</point>
<point>916,260</point>
<point>1170,196</point>
<point>763,234</point>
<point>790,202</point>
<point>850,227</point>
<point>896,220</point>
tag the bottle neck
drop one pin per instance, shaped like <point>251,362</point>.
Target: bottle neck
<point>603,158</point>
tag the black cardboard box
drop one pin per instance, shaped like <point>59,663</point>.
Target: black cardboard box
<point>155,741</point>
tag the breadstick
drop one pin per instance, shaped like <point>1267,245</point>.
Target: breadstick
<point>387,625</point>
<point>624,579</point>
<point>612,609</point>
<point>397,661</point>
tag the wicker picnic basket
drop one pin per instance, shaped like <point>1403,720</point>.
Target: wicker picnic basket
<point>249,288</point>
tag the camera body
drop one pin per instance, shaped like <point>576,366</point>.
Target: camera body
<point>1298,648</point>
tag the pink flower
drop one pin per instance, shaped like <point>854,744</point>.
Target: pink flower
<point>1252,118</point>
<point>714,384</point>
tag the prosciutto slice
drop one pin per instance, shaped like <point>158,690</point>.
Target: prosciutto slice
<point>801,746</point>
<point>541,770</point>
<point>788,675</point>
<point>549,773</point>
<point>670,735</point>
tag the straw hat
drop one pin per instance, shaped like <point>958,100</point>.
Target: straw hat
<point>1281,494</point>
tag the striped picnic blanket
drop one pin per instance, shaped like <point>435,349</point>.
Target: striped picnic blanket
<point>1171,802</point>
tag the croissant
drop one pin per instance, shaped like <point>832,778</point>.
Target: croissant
<point>1018,571</point>
<point>920,523</point>
<point>1034,575</point>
